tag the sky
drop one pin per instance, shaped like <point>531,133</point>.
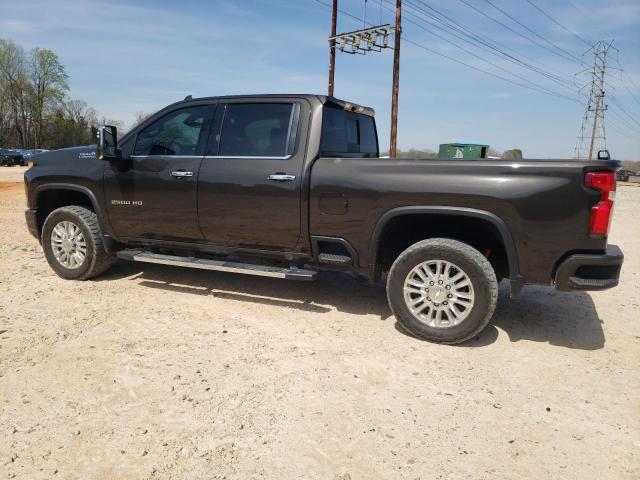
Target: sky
<point>125,57</point>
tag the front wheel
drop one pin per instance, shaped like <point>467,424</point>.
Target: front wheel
<point>442,290</point>
<point>72,243</point>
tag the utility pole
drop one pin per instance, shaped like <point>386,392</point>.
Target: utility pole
<point>593,118</point>
<point>374,38</point>
<point>393,146</point>
<point>332,44</point>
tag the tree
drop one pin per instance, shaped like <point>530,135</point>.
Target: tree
<point>49,84</point>
<point>35,111</point>
<point>513,154</point>
<point>14,93</point>
<point>72,123</point>
<point>141,117</point>
<point>413,153</point>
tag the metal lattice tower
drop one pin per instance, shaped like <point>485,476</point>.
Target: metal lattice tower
<point>592,137</point>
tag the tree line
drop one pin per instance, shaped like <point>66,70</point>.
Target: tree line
<point>35,108</point>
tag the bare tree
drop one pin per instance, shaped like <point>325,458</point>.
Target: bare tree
<point>14,88</point>
<point>49,83</point>
<point>141,117</point>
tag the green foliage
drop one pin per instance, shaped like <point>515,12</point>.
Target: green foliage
<point>413,153</point>
<point>513,154</point>
<point>35,111</point>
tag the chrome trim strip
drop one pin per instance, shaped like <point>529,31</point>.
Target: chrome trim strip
<point>286,157</point>
<point>163,156</point>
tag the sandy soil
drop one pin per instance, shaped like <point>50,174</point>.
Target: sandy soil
<point>154,372</point>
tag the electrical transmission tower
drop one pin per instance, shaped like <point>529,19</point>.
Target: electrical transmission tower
<point>592,136</point>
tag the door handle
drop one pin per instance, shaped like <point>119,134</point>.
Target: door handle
<point>281,177</point>
<point>181,173</point>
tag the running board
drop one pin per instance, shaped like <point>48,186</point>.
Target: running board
<point>218,265</point>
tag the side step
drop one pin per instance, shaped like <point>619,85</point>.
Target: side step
<point>145,256</point>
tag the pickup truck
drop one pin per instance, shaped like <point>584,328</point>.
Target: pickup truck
<point>282,185</point>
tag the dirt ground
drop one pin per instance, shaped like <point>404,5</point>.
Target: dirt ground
<point>153,372</point>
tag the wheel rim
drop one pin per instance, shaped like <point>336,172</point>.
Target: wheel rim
<point>439,293</point>
<point>68,244</point>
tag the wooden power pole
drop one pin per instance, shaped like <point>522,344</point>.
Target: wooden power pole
<point>332,50</point>
<point>393,145</point>
<point>373,38</point>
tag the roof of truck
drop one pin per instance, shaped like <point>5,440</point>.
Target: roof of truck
<point>324,99</point>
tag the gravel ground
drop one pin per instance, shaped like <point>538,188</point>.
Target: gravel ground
<point>153,372</point>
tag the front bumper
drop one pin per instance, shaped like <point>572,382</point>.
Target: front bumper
<point>590,271</point>
<point>31,216</point>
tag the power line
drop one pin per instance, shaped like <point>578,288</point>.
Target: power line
<point>624,110</point>
<point>567,54</point>
<point>557,22</point>
<point>416,44</point>
<point>579,10</point>
<point>435,52</point>
<point>461,31</point>
<point>627,87</point>
<point>623,121</point>
<point>455,60</point>
<point>513,30</point>
<point>539,87</point>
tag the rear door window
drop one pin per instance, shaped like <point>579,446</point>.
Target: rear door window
<point>347,134</point>
<point>256,130</point>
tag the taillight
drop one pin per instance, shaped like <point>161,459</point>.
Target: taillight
<point>601,212</point>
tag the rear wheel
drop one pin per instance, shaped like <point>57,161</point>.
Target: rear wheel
<point>442,290</point>
<point>72,243</point>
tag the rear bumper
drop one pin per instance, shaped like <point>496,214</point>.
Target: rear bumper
<point>589,271</point>
<point>32,222</point>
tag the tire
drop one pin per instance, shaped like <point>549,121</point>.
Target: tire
<point>467,308</point>
<point>95,260</point>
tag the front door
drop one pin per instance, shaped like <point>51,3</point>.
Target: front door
<point>249,189</point>
<point>151,193</point>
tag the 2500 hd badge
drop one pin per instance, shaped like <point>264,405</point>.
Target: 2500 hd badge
<point>137,203</point>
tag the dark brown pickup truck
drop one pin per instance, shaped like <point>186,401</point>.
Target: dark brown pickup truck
<point>278,185</point>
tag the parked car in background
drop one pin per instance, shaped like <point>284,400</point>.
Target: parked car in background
<point>10,157</point>
<point>623,175</point>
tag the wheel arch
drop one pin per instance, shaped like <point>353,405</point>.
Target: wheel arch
<point>488,218</point>
<point>51,196</point>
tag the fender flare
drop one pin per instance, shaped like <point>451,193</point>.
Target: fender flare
<point>517,282</point>
<point>102,221</point>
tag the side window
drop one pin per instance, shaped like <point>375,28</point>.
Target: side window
<point>348,134</point>
<point>368,136</point>
<point>256,130</point>
<point>177,133</point>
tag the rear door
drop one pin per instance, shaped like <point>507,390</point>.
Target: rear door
<point>250,181</point>
<point>151,194</point>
